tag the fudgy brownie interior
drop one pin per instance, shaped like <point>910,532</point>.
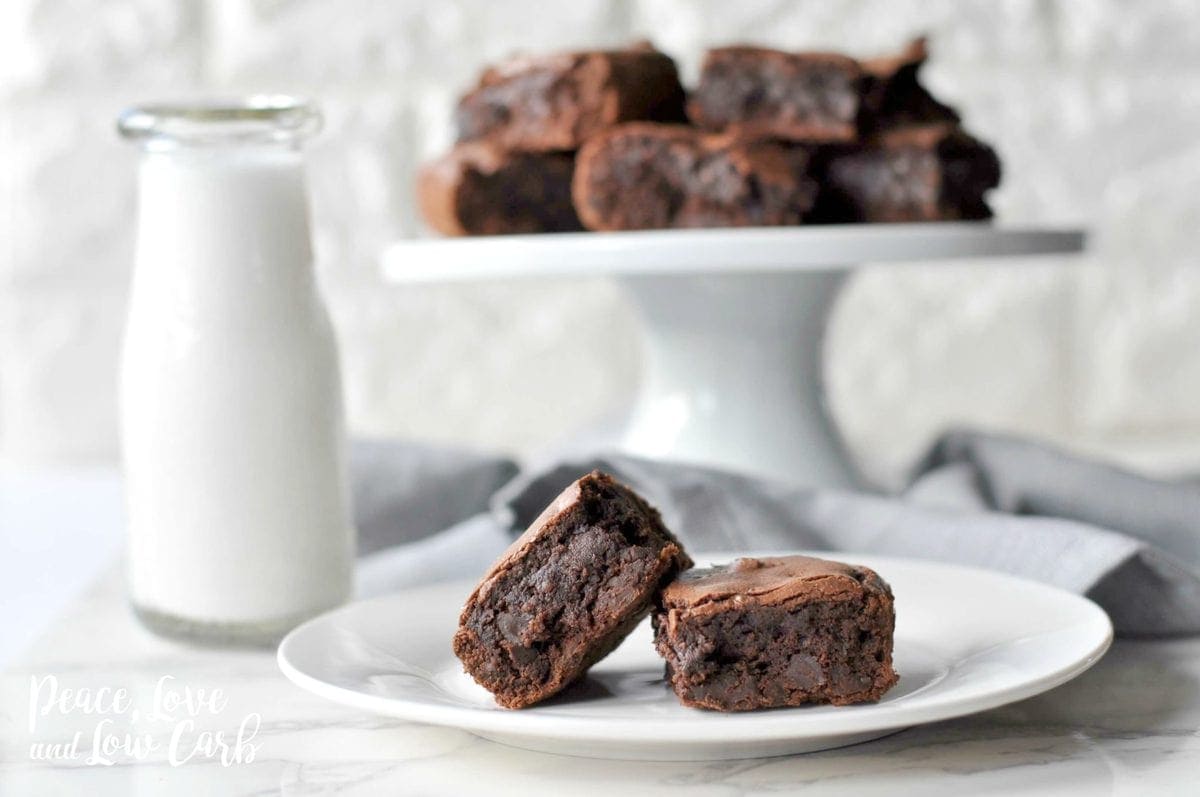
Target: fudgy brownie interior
<point>531,193</point>
<point>645,176</point>
<point>533,97</point>
<point>567,593</point>
<point>777,632</point>
<point>780,657</point>
<point>554,102</point>
<point>481,189</point>
<point>797,96</point>
<point>928,173</point>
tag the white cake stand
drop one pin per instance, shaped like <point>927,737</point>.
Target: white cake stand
<point>734,322</point>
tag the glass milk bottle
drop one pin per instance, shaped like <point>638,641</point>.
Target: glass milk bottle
<point>231,408</point>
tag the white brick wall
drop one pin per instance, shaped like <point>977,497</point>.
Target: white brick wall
<point>1094,105</point>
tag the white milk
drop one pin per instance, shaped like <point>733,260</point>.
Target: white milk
<point>231,407</point>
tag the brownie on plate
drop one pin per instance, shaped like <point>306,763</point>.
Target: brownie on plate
<point>806,97</point>
<point>480,189</point>
<point>566,592</point>
<point>785,631</point>
<point>924,173</point>
<point>554,102</point>
<point>643,176</point>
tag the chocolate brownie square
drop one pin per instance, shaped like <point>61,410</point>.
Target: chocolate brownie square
<point>642,176</point>
<point>554,102</point>
<point>928,173</point>
<point>784,631</point>
<point>480,189</point>
<point>806,97</point>
<point>894,96</point>
<point>566,592</point>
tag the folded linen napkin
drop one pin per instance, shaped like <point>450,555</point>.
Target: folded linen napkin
<point>1128,542</point>
<point>404,492</point>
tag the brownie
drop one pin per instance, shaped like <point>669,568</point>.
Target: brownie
<point>893,96</point>
<point>642,175</point>
<point>554,102</point>
<point>566,592</point>
<point>480,189</point>
<point>806,97</point>
<point>765,633</point>
<point>926,173</point>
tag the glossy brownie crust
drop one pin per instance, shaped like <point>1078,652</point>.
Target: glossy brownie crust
<point>566,592</point>
<point>804,97</point>
<point>925,173</point>
<point>645,176</point>
<point>480,189</point>
<point>766,633</point>
<point>556,102</point>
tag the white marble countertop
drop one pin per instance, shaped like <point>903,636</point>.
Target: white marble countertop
<point>59,527</point>
<point>1131,725</point>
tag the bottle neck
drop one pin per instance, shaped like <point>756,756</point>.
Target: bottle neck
<point>226,223</point>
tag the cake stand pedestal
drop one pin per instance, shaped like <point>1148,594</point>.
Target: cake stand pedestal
<point>734,323</point>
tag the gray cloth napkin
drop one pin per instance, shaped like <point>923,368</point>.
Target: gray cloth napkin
<point>1128,542</point>
<point>405,491</point>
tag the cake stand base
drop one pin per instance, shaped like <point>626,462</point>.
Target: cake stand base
<point>734,322</point>
<point>733,374</point>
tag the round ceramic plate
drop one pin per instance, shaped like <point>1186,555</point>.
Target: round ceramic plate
<point>815,247</point>
<point>966,640</point>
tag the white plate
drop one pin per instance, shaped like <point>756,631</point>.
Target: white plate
<point>966,640</point>
<point>723,251</point>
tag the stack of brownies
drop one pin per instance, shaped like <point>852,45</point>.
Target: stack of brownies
<point>609,140</point>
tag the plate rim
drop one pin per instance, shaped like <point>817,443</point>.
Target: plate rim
<point>753,726</point>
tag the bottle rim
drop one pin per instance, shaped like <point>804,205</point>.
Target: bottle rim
<point>272,119</point>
